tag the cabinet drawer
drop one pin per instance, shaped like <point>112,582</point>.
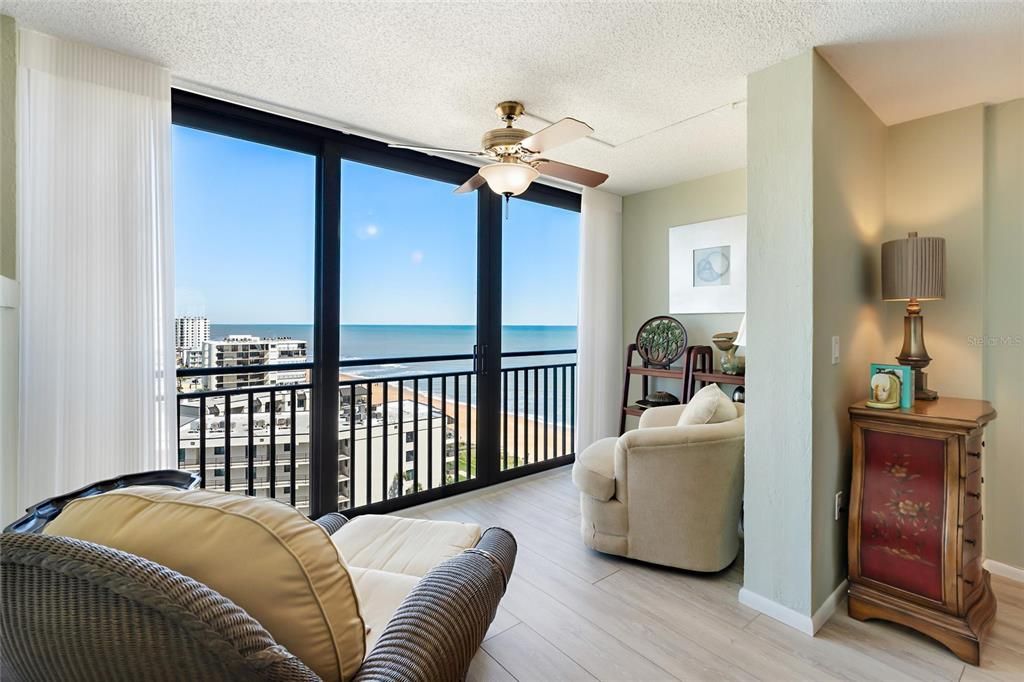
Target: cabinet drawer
<point>971,494</point>
<point>970,538</point>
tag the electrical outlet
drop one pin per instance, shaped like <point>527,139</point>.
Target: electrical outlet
<point>840,503</point>
<point>835,350</point>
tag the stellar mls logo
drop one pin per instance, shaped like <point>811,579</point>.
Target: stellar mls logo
<point>992,340</point>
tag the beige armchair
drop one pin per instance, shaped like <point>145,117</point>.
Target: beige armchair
<point>664,493</point>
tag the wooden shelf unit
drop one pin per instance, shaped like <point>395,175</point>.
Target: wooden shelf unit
<point>695,359</point>
<point>736,380</point>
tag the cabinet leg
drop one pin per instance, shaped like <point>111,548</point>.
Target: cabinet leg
<point>961,635</point>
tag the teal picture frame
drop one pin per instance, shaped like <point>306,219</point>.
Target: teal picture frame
<point>906,375</point>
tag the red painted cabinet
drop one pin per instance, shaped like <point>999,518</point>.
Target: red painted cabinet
<point>915,520</point>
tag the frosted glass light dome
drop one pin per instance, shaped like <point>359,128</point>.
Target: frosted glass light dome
<point>510,179</point>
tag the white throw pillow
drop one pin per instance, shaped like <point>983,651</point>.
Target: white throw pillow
<point>709,405</point>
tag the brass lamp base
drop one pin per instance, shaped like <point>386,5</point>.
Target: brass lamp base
<point>914,354</point>
<point>921,390</point>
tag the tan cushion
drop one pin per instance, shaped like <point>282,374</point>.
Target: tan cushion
<point>594,470</point>
<point>380,595</point>
<point>261,554</point>
<point>709,405</point>
<point>400,545</point>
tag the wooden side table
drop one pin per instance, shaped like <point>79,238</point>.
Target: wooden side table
<point>915,528</point>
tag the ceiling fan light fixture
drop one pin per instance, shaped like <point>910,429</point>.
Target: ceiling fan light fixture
<point>509,179</point>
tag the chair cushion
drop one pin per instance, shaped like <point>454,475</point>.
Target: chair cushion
<point>380,595</point>
<point>401,545</point>
<point>709,405</point>
<point>594,470</point>
<point>262,554</point>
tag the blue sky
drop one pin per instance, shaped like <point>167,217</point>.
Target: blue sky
<point>243,219</point>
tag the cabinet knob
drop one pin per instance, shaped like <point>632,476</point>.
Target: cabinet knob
<point>974,454</point>
<point>982,443</point>
<point>969,542</point>
<point>968,582</point>
<point>976,496</point>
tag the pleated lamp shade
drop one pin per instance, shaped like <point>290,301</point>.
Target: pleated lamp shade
<point>914,267</point>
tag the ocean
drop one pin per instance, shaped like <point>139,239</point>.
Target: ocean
<point>365,342</point>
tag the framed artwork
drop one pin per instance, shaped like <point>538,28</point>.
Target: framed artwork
<point>707,266</point>
<point>906,377</point>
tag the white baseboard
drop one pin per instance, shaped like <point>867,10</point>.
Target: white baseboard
<point>808,625</point>
<point>827,608</point>
<point>1005,570</point>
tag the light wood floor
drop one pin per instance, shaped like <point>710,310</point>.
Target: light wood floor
<point>574,614</point>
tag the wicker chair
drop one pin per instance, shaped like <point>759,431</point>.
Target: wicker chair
<point>74,610</point>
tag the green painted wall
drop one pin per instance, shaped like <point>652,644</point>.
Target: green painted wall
<point>849,213</point>
<point>935,185</point>
<point>8,289</point>
<point>646,219</point>
<point>8,258</point>
<point>1003,355</point>
<point>780,244</point>
<point>959,175</point>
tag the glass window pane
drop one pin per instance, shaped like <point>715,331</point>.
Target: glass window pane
<point>540,261</point>
<point>408,290</point>
<point>244,217</point>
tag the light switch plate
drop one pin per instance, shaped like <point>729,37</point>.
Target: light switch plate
<point>835,350</point>
<point>840,507</point>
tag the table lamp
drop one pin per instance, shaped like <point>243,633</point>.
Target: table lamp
<point>914,270</point>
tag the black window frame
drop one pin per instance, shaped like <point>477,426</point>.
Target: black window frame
<point>330,147</point>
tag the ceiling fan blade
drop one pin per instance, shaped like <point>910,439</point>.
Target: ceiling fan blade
<point>564,171</point>
<point>471,184</point>
<point>436,150</point>
<point>562,132</point>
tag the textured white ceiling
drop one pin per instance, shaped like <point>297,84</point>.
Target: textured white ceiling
<point>642,73</point>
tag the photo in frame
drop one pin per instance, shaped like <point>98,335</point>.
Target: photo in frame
<point>906,377</point>
<point>707,266</point>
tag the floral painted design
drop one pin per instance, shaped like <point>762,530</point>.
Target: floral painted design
<point>904,521</point>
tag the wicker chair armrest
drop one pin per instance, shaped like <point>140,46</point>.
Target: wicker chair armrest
<point>65,601</point>
<point>439,626</point>
<point>332,522</point>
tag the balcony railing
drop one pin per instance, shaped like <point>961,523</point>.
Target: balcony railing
<point>399,435</point>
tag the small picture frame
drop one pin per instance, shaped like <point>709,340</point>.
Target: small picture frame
<point>906,383</point>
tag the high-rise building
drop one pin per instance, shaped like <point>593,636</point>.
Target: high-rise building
<point>191,332</point>
<point>416,437</point>
<point>243,350</point>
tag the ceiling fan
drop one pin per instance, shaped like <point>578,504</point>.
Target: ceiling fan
<point>516,154</point>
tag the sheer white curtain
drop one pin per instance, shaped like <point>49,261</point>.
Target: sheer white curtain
<point>94,248</point>
<point>600,359</point>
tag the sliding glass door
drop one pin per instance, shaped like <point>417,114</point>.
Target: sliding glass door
<point>408,333</point>
<point>353,335</point>
<point>540,243</point>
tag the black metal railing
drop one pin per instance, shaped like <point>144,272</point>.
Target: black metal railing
<point>401,434</point>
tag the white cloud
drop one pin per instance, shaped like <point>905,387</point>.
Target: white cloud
<point>369,231</point>
<point>416,257</point>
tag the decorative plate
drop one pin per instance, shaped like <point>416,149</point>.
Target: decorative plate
<point>661,341</point>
